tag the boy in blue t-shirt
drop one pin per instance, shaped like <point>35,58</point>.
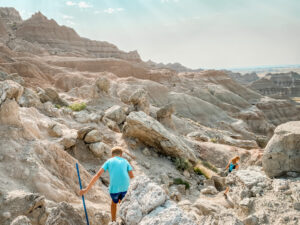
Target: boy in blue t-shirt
<point>119,173</point>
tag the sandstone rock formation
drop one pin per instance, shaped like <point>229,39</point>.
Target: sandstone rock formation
<point>62,39</point>
<point>282,152</point>
<point>147,203</point>
<point>179,130</point>
<point>278,85</point>
<point>151,132</point>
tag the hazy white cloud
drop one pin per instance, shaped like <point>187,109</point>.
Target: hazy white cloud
<point>70,3</point>
<point>70,23</point>
<point>67,17</point>
<point>84,5</point>
<point>81,4</point>
<point>113,10</point>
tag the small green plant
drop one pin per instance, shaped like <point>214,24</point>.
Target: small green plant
<point>57,106</point>
<point>200,172</point>
<point>77,106</point>
<point>210,166</point>
<point>183,164</point>
<point>214,140</point>
<point>178,181</point>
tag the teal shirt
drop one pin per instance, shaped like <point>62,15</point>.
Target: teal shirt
<point>118,169</point>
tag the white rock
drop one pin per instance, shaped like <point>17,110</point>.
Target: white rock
<point>93,136</point>
<point>99,149</point>
<point>21,220</point>
<point>116,113</point>
<point>282,153</point>
<point>209,190</point>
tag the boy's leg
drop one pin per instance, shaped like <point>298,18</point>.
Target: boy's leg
<point>113,209</point>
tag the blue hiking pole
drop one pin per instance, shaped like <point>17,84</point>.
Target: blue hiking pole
<point>86,215</point>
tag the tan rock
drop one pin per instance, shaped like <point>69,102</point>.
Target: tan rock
<point>281,153</point>
<point>9,113</point>
<point>151,132</point>
<point>93,136</point>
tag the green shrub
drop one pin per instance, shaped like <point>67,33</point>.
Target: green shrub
<point>57,106</point>
<point>178,181</point>
<point>77,106</point>
<point>210,166</point>
<point>183,164</point>
<point>200,172</point>
<point>214,140</point>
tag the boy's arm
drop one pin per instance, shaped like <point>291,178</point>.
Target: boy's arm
<point>130,173</point>
<point>93,181</point>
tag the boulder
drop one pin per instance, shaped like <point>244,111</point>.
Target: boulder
<point>209,190</point>
<point>282,153</point>
<point>207,207</point>
<point>164,116</point>
<point>146,203</point>
<point>93,136</point>
<point>9,113</point>
<point>251,177</point>
<point>21,220</point>
<point>49,94</point>
<point>103,84</point>
<point>55,131</point>
<point>140,101</point>
<point>17,203</point>
<point>83,131</point>
<point>151,132</point>
<point>30,99</point>
<point>116,113</point>
<point>10,90</point>
<point>64,214</point>
<point>99,149</point>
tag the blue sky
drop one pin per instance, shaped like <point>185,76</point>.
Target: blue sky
<point>196,33</point>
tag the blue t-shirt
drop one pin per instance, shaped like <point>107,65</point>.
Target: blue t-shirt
<point>118,174</point>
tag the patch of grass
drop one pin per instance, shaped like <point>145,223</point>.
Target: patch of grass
<point>57,106</point>
<point>200,172</point>
<point>77,106</point>
<point>210,166</point>
<point>214,140</point>
<point>178,181</point>
<point>183,164</point>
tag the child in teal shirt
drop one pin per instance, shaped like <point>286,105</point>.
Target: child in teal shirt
<point>119,173</point>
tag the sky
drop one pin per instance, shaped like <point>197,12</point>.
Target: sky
<point>197,33</point>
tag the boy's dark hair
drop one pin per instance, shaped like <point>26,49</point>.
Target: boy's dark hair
<point>117,151</point>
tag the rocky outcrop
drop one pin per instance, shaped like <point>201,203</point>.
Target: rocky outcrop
<point>18,203</point>
<point>49,94</point>
<point>140,101</point>
<point>244,79</point>
<point>146,203</point>
<point>282,154</point>
<point>278,111</point>
<point>116,113</point>
<point>151,132</point>
<point>278,85</point>
<point>21,220</point>
<point>61,40</point>
<point>172,66</point>
<point>164,116</point>
<point>10,15</point>
<point>64,213</point>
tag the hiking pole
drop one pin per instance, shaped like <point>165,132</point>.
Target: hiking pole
<point>86,215</point>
